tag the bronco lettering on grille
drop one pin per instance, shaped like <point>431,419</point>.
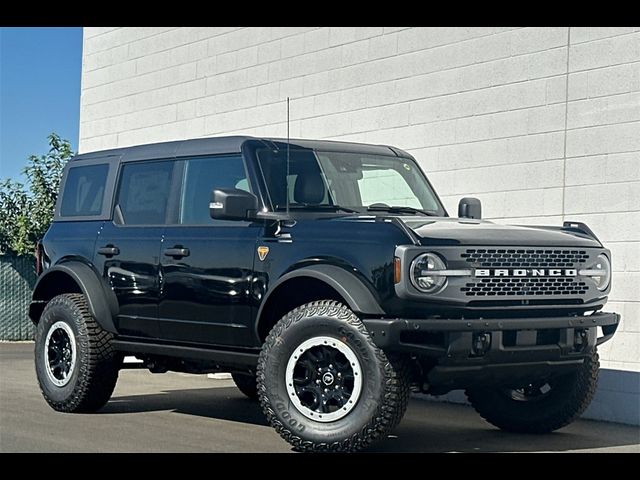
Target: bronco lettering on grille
<point>526,272</point>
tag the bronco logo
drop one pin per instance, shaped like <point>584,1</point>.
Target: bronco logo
<point>526,272</point>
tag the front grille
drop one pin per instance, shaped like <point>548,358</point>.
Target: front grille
<point>524,286</point>
<point>525,258</point>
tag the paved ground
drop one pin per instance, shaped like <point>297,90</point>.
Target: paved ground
<point>175,412</point>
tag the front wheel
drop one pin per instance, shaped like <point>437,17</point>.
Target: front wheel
<point>76,365</point>
<point>324,385</point>
<point>541,406</point>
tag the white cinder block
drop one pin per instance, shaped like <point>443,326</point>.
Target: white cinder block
<point>93,31</point>
<point>604,110</point>
<point>315,83</point>
<point>547,63</point>
<point>626,256</point>
<point>368,32</point>
<point>612,197</point>
<point>316,39</point>
<point>578,85</point>
<point>268,93</point>
<point>613,80</point>
<point>247,57</point>
<point>596,140</point>
<point>355,52</point>
<point>621,167</point>
<point>383,46</point>
<point>292,46</point>
<point>269,52</point>
<point>626,287</point>
<point>393,29</point>
<point>605,52</point>
<point>104,58</point>
<point>342,35</point>
<point>587,34</point>
<point>533,39</point>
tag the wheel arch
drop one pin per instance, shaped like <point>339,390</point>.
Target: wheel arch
<point>317,282</point>
<point>75,277</point>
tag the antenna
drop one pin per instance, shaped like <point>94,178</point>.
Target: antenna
<point>287,177</point>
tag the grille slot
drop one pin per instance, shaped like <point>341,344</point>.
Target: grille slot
<point>489,287</point>
<point>525,258</point>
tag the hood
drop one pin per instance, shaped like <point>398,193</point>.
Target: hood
<point>462,231</point>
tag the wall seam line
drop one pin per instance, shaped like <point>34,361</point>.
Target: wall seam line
<point>566,121</point>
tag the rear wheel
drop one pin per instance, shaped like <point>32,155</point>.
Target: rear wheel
<point>323,383</point>
<point>541,406</point>
<point>76,365</point>
<point>246,384</point>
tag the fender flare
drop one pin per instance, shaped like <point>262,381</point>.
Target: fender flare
<point>103,303</point>
<point>358,297</point>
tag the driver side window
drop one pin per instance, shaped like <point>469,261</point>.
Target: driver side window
<point>201,176</point>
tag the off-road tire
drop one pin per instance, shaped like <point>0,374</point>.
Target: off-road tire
<point>385,386</point>
<point>95,373</point>
<point>569,396</point>
<point>246,384</point>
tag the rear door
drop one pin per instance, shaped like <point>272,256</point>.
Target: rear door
<point>206,264</point>
<point>128,248</point>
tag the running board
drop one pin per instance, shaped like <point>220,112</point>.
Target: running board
<point>220,357</point>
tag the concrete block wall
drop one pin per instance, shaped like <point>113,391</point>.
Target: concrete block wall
<point>542,124</point>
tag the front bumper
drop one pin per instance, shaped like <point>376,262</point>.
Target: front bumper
<point>461,353</point>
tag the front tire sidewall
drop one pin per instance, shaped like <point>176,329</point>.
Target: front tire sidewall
<point>60,312</point>
<point>346,328</point>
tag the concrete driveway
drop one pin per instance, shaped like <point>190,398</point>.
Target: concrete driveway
<point>187,413</point>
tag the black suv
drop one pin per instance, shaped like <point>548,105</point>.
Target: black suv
<point>327,277</point>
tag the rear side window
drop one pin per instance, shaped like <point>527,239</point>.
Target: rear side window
<point>144,191</point>
<point>201,176</point>
<point>84,191</point>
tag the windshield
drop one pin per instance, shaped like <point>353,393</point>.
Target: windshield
<point>356,181</point>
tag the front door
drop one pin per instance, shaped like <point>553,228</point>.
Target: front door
<point>128,248</point>
<point>206,264</point>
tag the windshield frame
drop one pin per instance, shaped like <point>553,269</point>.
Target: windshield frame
<point>363,210</point>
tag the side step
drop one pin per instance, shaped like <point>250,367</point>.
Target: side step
<point>221,357</point>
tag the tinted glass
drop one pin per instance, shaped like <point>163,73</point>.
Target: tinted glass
<point>144,192</point>
<point>201,176</point>
<point>352,180</point>
<point>84,191</point>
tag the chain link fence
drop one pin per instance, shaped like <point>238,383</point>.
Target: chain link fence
<point>17,278</point>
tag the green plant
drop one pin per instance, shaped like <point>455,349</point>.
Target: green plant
<point>27,210</point>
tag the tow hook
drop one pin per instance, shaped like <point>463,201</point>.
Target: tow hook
<point>480,344</point>
<point>580,340</point>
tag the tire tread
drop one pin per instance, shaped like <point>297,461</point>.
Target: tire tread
<point>396,390</point>
<point>98,371</point>
<point>586,383</point>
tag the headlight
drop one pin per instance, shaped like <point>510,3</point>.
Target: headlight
<point>420,269</point>
<point>600,272</point>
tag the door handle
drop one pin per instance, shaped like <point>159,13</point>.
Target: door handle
<point>109,251</point>
<point>177,252</point>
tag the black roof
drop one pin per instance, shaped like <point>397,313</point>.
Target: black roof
<point>233,144</point>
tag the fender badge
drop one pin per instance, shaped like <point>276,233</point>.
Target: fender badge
<point>263,252</point>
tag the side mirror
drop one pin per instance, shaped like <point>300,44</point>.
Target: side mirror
<point>232,204</point>
<point>469,207</point>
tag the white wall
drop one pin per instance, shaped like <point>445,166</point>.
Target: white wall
<point>485,110</point>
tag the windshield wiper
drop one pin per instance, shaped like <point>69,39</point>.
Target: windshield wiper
<point>307,206</point>
<point>401,209</point>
